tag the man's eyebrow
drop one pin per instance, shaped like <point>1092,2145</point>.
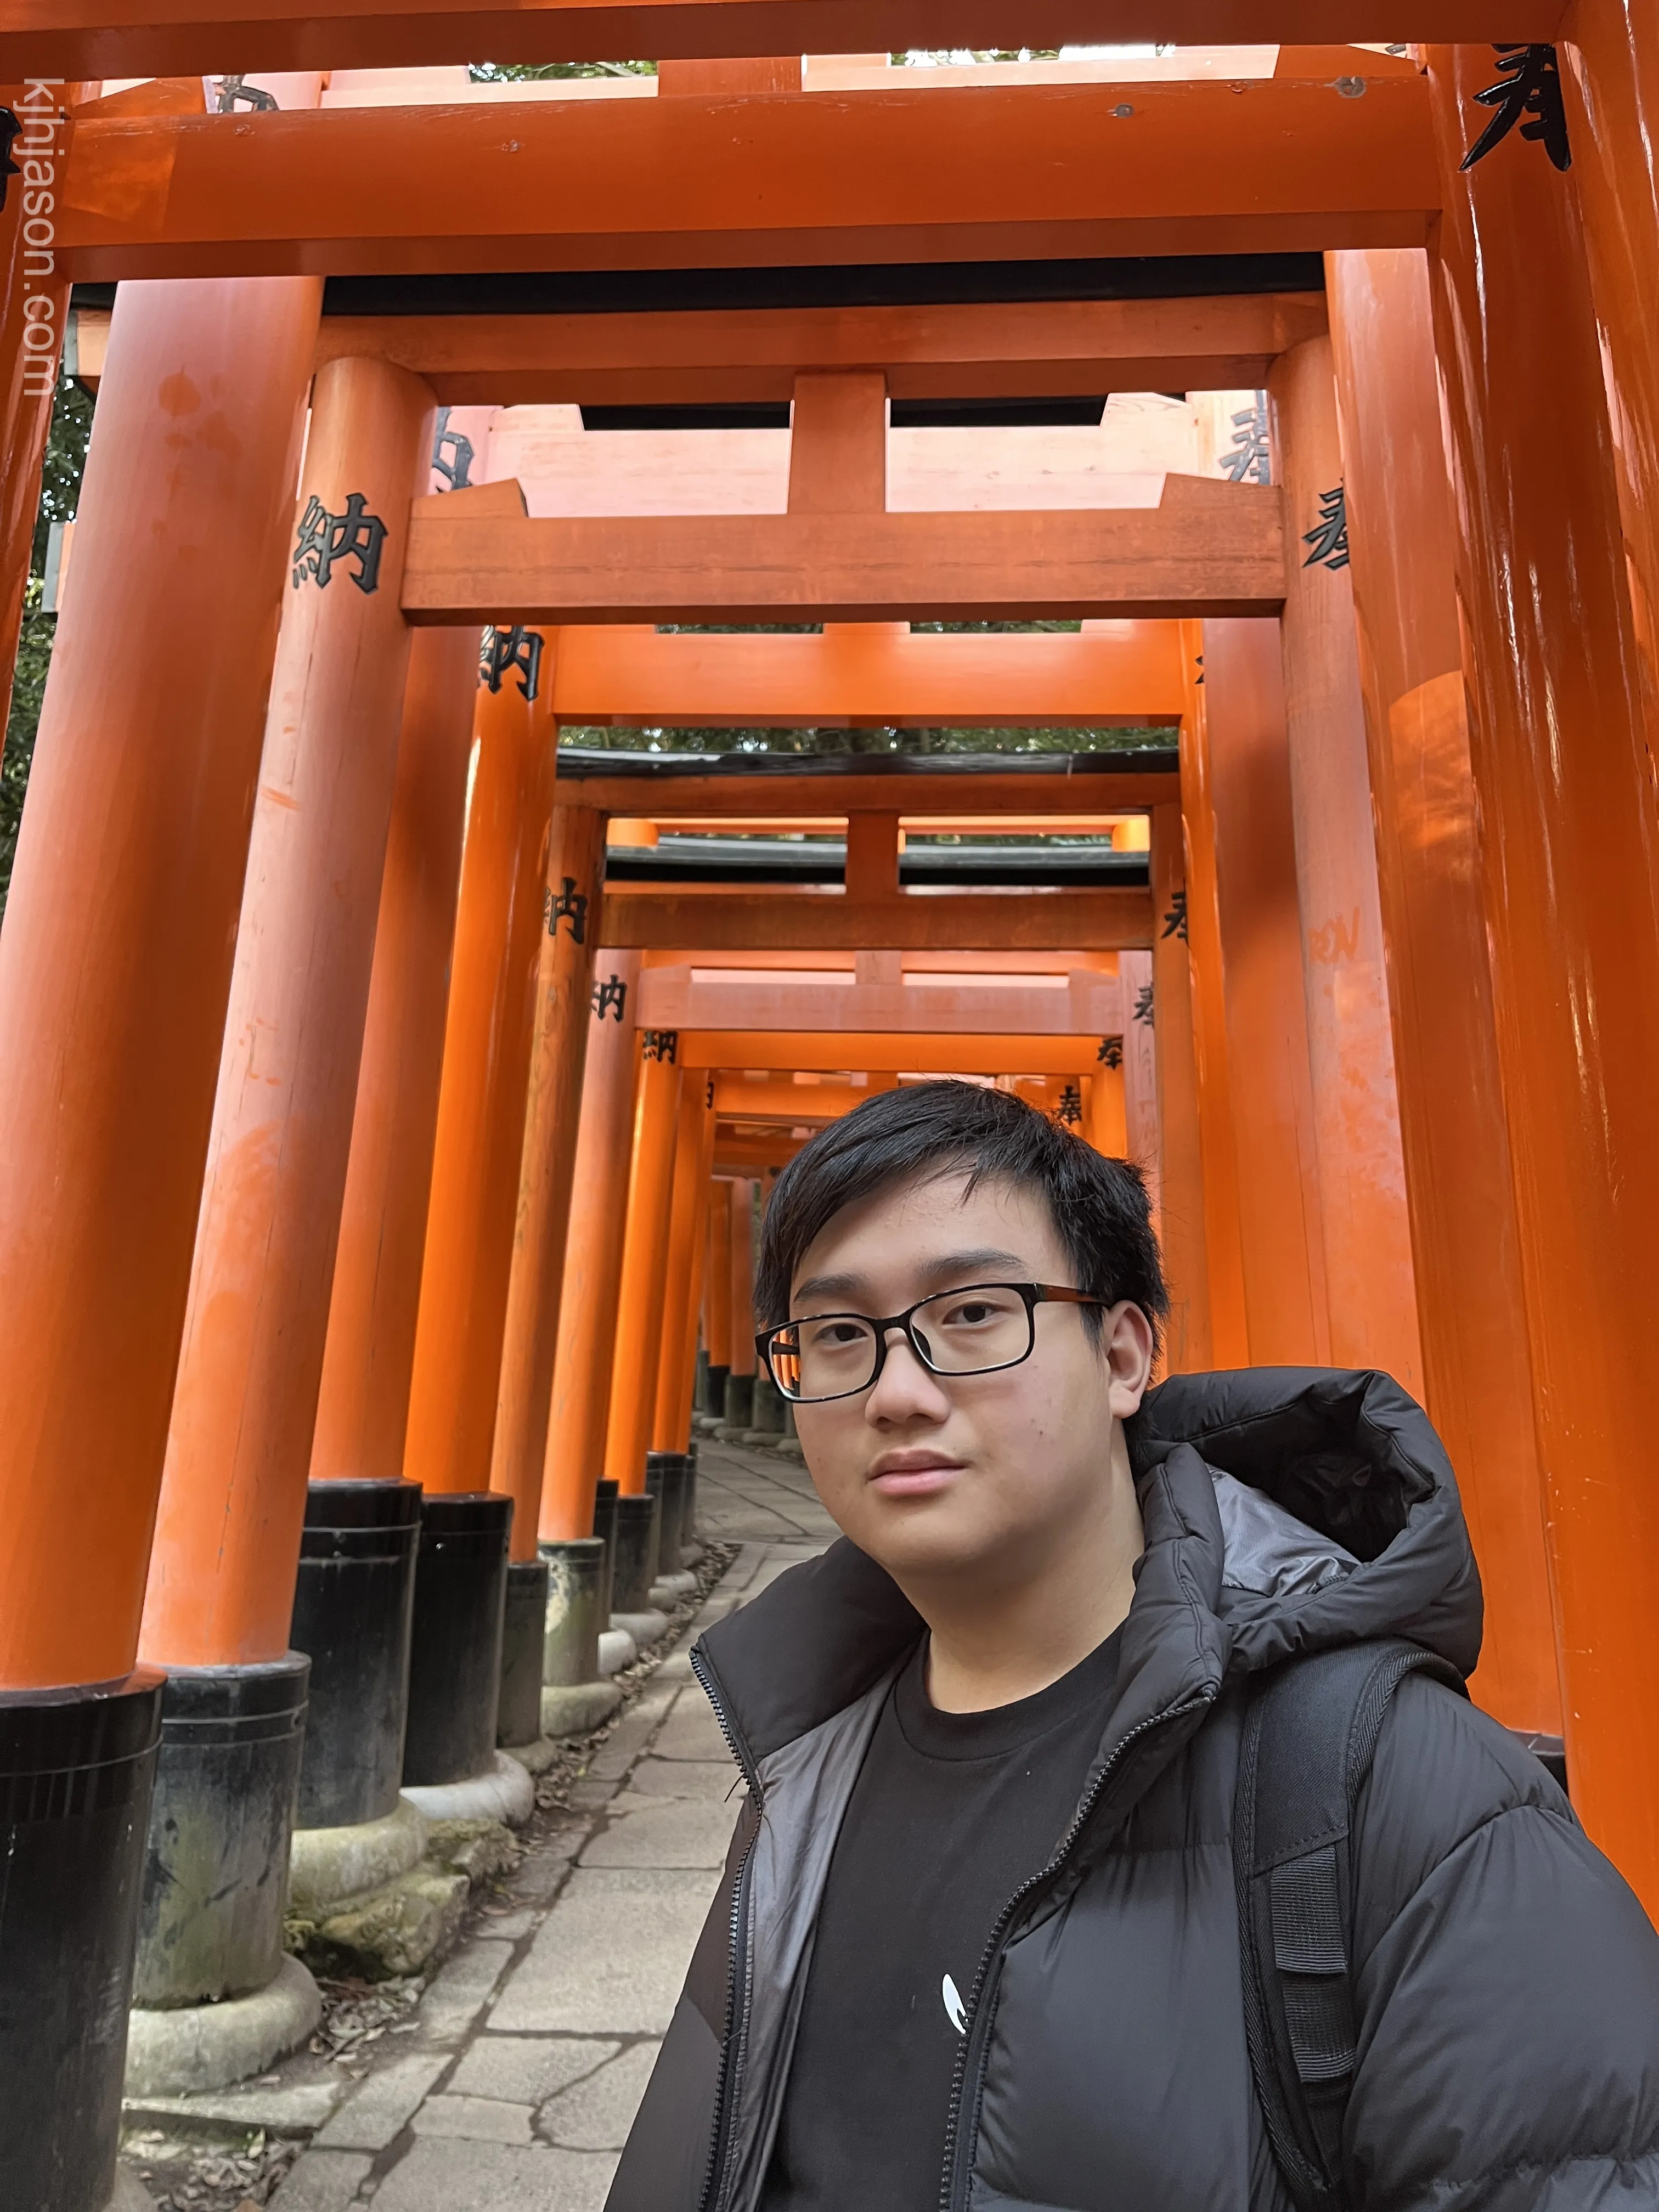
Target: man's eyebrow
<point>951,1267</point>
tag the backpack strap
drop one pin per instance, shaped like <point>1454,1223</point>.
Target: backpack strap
<point>1308,1734</point>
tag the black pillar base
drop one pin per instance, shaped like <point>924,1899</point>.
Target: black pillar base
<point>714,1401</point>
<point>221,1820</point>
<point>352,1608</point>
<point>636,1553</point>
<point>455,1651</point>
<point>524,1631</point>
<point>689,1536</point>
<point>739,1402</point>
<point>665,1477</point>
<point>605,1527</point>
<point>576,1612</point>
<point>75,1771</point>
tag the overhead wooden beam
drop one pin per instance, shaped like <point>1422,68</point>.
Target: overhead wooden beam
<point>736,1099</point>
<point>1024,350</point>
<point>900,176</point>
<point>1096,920</point>
<point>1092,1005</point>
<point>159,38</point>
<point>647,784</point>
<point>1210,548</point>
<point>1013,1055</point>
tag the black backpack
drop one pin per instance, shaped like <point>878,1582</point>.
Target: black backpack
<point>1308,1734</point>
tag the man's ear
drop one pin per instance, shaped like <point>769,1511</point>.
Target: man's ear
<point>1128,1346</point>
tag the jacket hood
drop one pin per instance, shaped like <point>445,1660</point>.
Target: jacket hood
<point>1285,1509</point>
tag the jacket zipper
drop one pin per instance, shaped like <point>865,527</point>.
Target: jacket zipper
<point>970,2036</point>
<point>712,2175</point>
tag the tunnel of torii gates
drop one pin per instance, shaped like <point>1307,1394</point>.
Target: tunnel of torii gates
<point>344,1222</point>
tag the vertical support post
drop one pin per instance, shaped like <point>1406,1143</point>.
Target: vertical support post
<point>1140,1070</point>
<point>233,1501</point>
<point>1477,1377</point>
<point>645,1252</point>
<point>580,1404</point>
<point>838,442</point>
<point>481,1100</point>
<point>1281,1240</point>
<point>717,1294</point>
<point>685,1220</point>
<point>362,1409</point>
<point>872,863</point>
<point>564,1021</point>
<point>1182,1167</point>
<point>1106,1126</point>
<point>1570,853</point>
<point>1610,83</point>
<point>1229,1341</point>
<point>1368,1254</point>
<point>694,1304</point>
<point>740,1380</point>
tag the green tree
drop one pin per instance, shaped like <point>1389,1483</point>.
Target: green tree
<point>60,492</point>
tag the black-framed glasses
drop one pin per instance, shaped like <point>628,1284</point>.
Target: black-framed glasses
<point>975,1330</point>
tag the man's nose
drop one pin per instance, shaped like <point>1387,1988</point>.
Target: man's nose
<point>905,1387</point>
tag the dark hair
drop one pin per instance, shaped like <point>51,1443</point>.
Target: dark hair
<point>924,1130</point>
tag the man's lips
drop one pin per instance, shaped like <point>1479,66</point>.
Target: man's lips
<point>914,1473</point>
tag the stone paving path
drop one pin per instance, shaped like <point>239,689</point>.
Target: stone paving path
<point>512,2086</point>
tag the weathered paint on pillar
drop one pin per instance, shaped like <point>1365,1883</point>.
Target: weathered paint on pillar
<point>687,1379</point>
<point>593,1255</point>
<point>645,1254</point>
<point>34,299</point>
<point>486,1069</point>
<point>1362,1179</point>
<point>684,1220</point>
<point>1140,1072</point>
<point>362,1411</point>
<point>717,1277</point>
<point>1477,1380</point>
<point>1609,70</point>
<point>1182,1212</point>
<point>1229,1341</point>
<point>1104,1124</point>
<point>564,1021</point>
<point>115,969</point>
<point>743,1275</point>
<point>1281,1240</point>
<point>1569,851</point>
<point>227,1529</point>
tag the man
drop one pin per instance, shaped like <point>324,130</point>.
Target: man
<point>979,1941</point>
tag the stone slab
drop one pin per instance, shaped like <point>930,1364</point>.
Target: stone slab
<point>321,2181</point>
<point>440,2174</point>
<point>282,2109</point>
<point>713,1779</point>
<point>460,1990</point>
<point>596,2114</point>
<point>477,2119</point>
<point>578,1977</point>
<point>383,2103</point>
<point>691,1732</point>
<point>672,1832</point>
<point>528,2069</point>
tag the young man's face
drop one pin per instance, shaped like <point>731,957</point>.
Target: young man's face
<point>977,1475</point>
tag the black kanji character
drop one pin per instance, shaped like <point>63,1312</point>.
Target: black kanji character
<point>326,538</point>
<point>1144,1003</point>
<point>1111,1051</point>
<point>504,650</point>
<point>1175,922</point>
<point>611,996</point>
<point>452,454</point>
<point>1069,1112</point>
<point>571,906</point>
<point>1529,84</point>
<point>1329,536</point>
<point>1249,455</point>
<point>661,1044</point>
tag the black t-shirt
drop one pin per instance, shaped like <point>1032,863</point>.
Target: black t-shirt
<point>951,1813</point>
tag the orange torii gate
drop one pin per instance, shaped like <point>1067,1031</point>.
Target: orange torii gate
<point>117,1003</point>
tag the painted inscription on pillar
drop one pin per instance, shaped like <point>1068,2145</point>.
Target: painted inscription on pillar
<point>326,539</point>
<point>1144,1005</point>
<point>505,651</point>
<point>570,905</point>
<point>1528,87</point>
<point>1111,1052</point>
<point>1329,536</point>
<point>1068,1113</point>
<point>452,454</point>
<point>1174,922</point>
<point>609,997</point>
<point>661,1044</point>
<point>1249,457</point>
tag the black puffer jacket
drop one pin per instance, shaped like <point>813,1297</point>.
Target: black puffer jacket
<point>1507,1979</point>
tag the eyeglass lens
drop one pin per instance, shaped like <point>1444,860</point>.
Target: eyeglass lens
<point>958,1332</point>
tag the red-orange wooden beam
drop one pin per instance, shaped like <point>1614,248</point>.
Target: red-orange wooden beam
<point>1209,548</point>
<point>1020,348</point>
<point>138,38</point>
<point>1272,166</point>
<point>1102,921</point>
